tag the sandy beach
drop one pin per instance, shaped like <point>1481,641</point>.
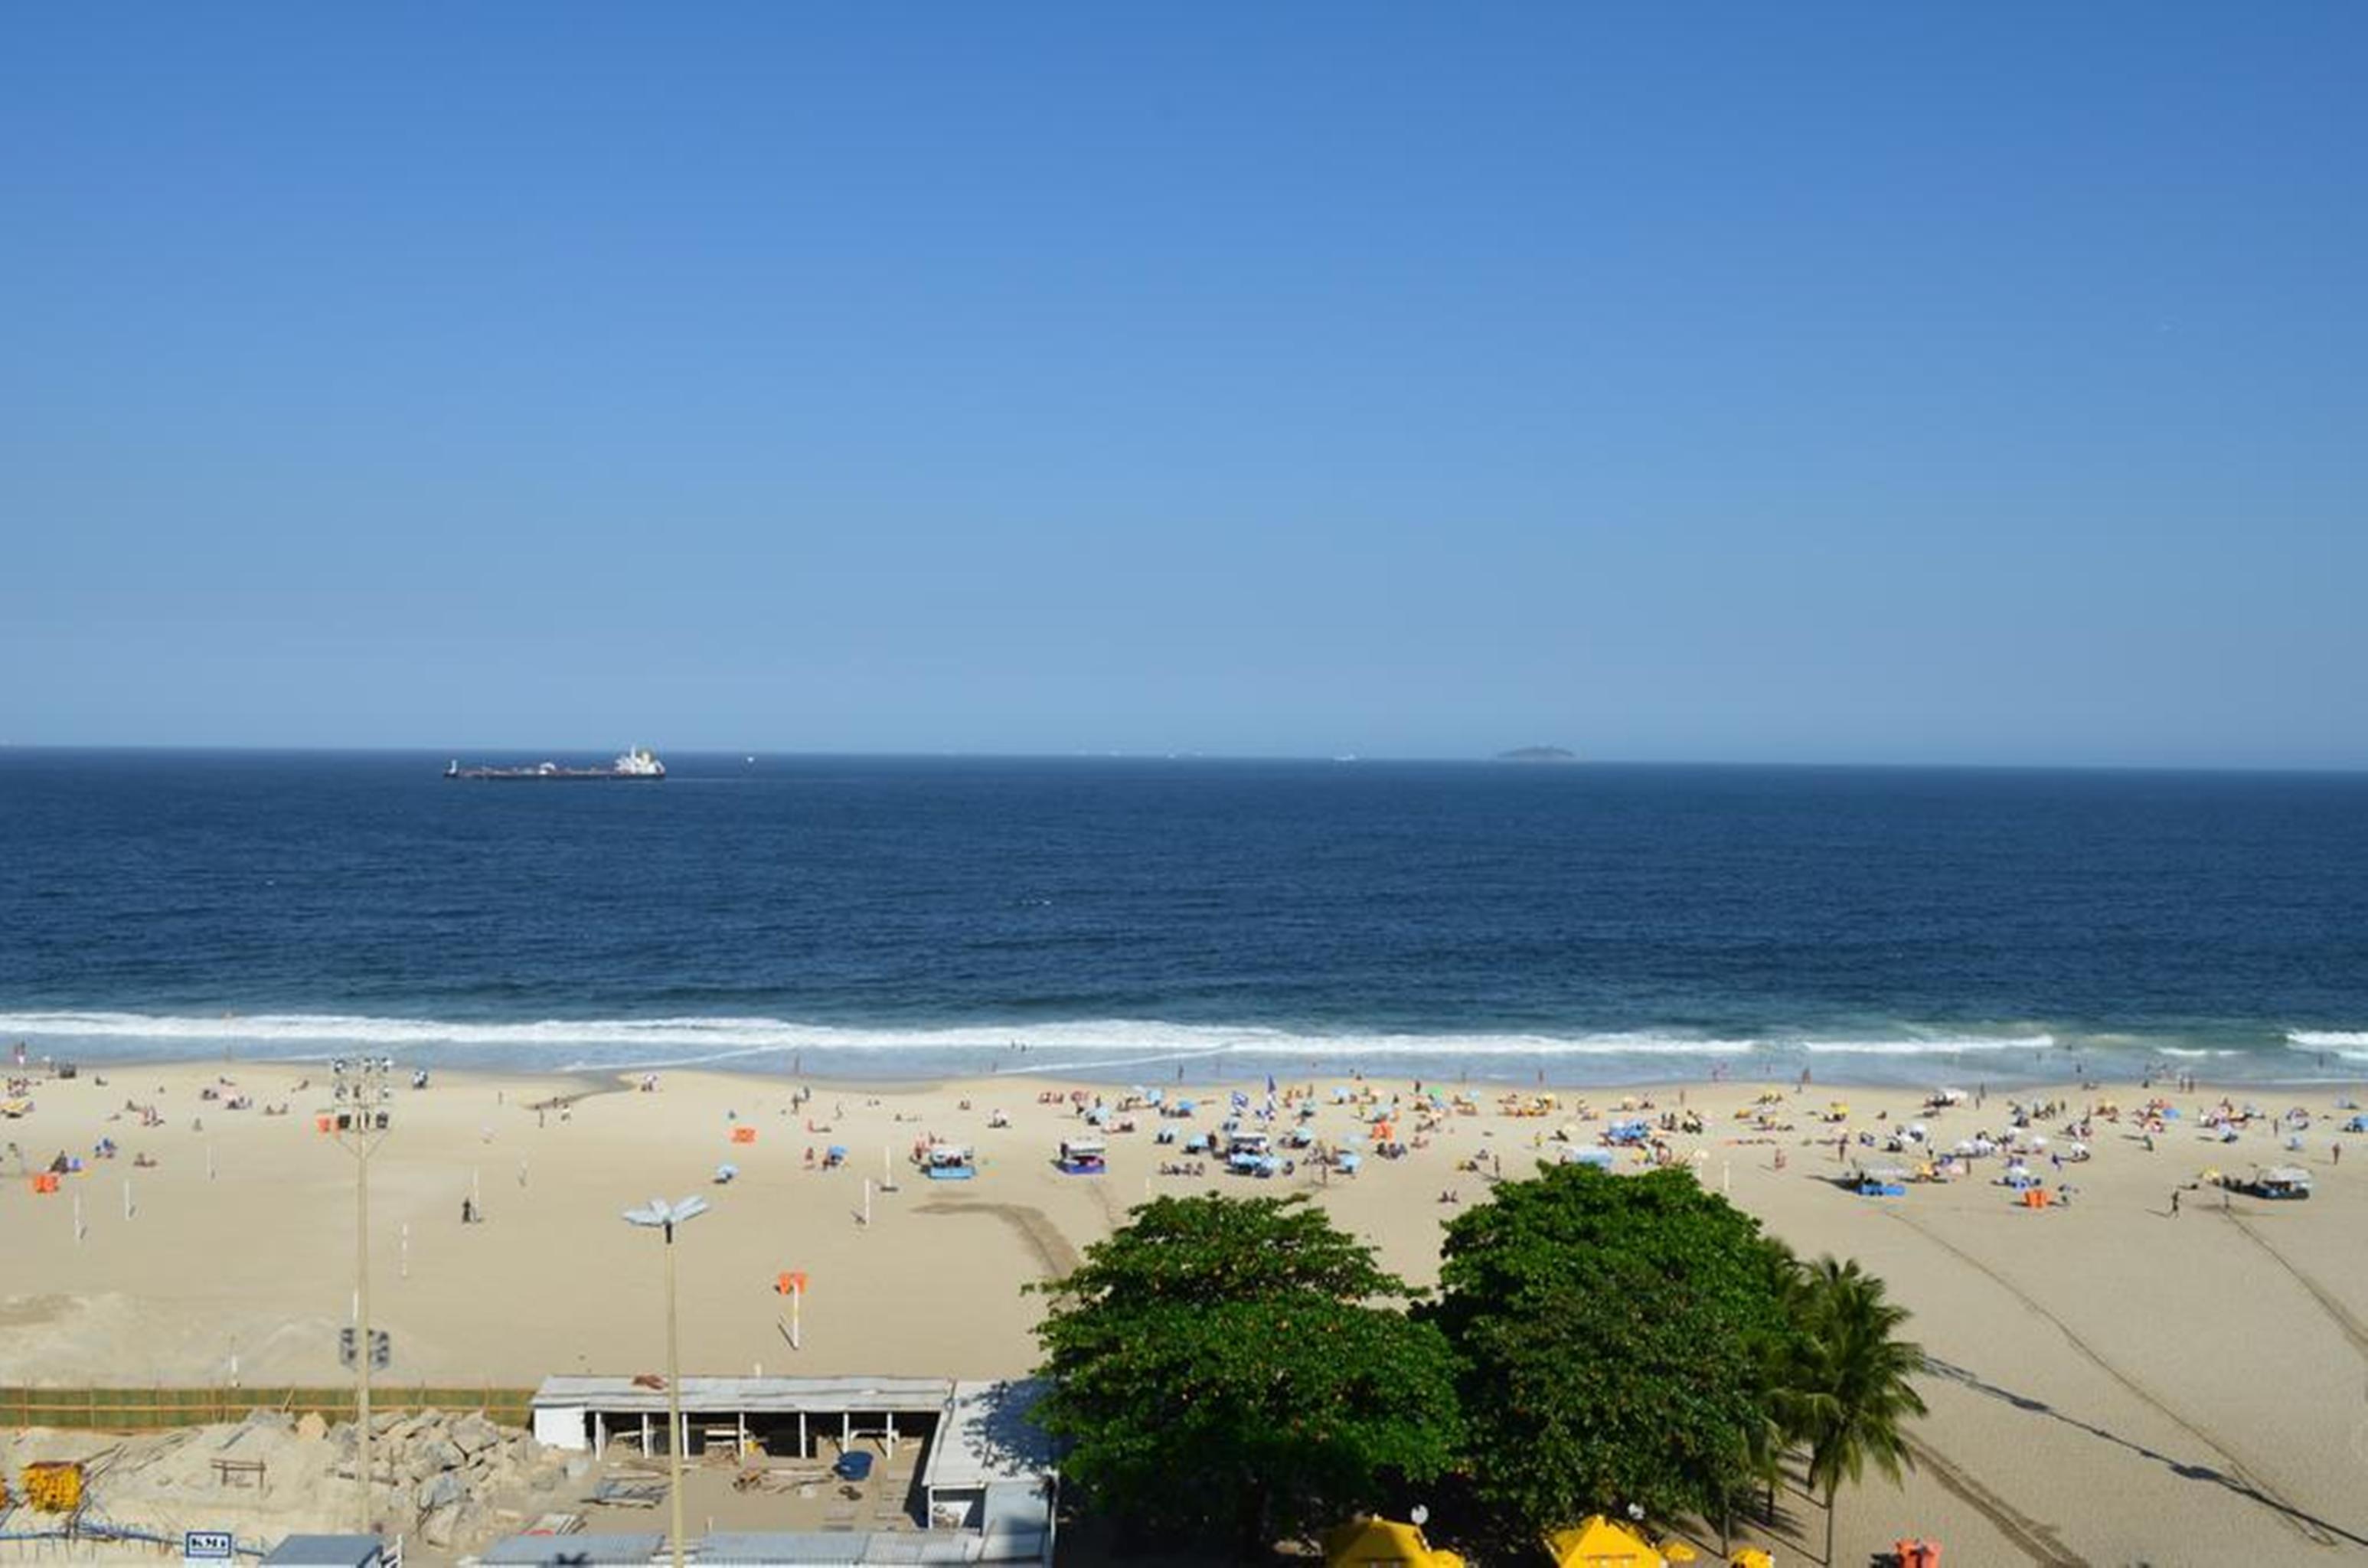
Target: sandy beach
<point>2112,1383</point>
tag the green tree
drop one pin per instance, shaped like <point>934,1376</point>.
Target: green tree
<point>1618,1331</point>
<point>1239,1365</point>
<point>1850,1394</point>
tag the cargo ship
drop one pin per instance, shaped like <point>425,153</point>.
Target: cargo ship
<point>639,763</point>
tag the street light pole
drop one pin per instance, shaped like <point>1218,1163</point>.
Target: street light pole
<point>674,1403</point>
<point>360,1091</point>
<point>665,1216</point>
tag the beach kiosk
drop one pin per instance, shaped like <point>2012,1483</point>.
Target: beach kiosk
<point>1251,1153</point>
<point>949,1162</point>
<point>1083,1156</point>
<point>2277,1182</point>
<point>1879,1181</point>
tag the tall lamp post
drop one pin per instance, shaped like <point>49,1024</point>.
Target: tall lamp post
<point>359,1091</point>
<point>662,1215</point>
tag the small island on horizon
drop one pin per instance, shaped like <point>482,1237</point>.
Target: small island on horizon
<point>1537,754</point>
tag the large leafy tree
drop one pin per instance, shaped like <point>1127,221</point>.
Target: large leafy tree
<point>1232,1365</point>
<point>1849,1395</point>
<point>1620,1336</point>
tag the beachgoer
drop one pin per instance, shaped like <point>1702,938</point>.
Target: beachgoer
<point>2174,1203</point>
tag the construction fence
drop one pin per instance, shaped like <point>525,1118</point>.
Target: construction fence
<point>148,1409</point>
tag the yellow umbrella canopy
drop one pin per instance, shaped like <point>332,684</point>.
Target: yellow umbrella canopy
<point>1597,1542</point>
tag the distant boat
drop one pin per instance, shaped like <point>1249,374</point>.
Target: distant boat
<point>639,762</point>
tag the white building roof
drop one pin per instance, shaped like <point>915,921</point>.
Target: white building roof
<point>986,1438</point>
<point>755,1395</point>
<point>549,1550</point>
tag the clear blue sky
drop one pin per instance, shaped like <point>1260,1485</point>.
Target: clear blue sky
<point>1980,383</point>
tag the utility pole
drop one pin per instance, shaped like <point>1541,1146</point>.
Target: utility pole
<point>359,1090</point>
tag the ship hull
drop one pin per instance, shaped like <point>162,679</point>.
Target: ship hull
<point>528,776</point>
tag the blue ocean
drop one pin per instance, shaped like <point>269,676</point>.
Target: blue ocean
<point>879,918</point>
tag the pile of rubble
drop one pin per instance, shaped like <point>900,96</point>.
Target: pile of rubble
<point>452,1478</point>
<point>445,1478</point>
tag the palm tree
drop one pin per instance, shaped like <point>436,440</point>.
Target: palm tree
<point>1778,1429</point>
<point>1852,1395</point>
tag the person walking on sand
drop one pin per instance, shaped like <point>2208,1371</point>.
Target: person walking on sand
<point>2174,1203</point>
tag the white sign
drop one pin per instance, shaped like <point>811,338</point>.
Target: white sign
<point>206,1546</point>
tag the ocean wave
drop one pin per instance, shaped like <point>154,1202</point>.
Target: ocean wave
<point>723,1039</point>
<point>2327,1039</point>
<point>598,1043</point>
<point>1927,1047</point>
<point>1109,1048</point>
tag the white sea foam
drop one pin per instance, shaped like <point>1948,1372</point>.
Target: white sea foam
<point>685,1041</point>
<point>1069,1046</point>
<point>2327,1039</point>
<point>2351,1045</point>
<point>1927,1047</point>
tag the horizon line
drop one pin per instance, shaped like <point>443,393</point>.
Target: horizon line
<point>1573,763</point>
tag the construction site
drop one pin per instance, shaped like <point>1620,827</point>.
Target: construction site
<point>773,1471</point>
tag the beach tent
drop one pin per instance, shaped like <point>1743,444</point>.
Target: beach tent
<point>1383,1543</point>
<point>1597,1542</point>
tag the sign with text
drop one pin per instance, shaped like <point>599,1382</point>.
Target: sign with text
<point>207,1546</point>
